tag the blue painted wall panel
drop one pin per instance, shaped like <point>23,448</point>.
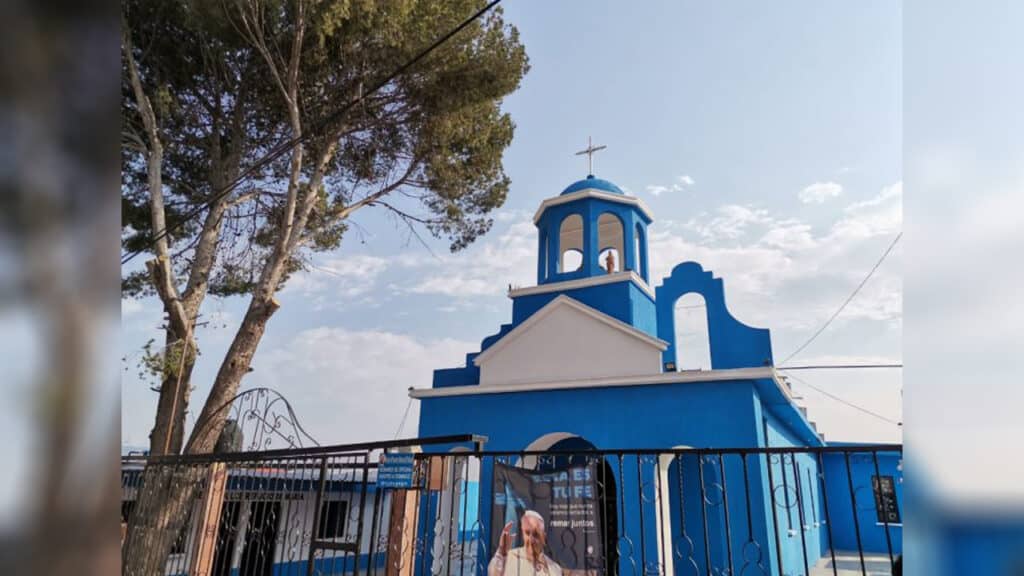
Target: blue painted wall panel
<point>842,506</point>
<point>797,498</point>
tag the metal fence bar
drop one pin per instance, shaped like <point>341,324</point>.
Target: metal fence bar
<point>885,515</point>
<point>317,505</point>
<point>800,509</point>
<point>853,506</point>
<point>775,515</point>
<point>725,504</point>
<point>828,516</point>
<point>704,514</point>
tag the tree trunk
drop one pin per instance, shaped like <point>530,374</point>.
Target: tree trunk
<point>165,496</point>
<point>229,377</point>
<point>173,399</point>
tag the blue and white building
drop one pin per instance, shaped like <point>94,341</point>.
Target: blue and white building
<point>588,361</point>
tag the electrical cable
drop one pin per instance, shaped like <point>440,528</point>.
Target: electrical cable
<point>846,402</point>
<point>847,301</point>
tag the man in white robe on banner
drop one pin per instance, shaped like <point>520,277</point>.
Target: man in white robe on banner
<point>529,559</point>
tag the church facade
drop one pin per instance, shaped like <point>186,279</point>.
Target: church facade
<point>588,361</point>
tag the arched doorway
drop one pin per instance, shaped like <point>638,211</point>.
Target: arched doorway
<point>572,454</point>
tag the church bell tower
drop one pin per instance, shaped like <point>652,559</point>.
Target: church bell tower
<point>589,230</point>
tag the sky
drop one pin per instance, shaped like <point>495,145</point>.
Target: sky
<point>766,140</point>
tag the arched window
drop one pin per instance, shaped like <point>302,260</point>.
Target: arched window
<point>693,343</point>
<point>638,257</point>
<point>570,242</point>
<point>609,240</point>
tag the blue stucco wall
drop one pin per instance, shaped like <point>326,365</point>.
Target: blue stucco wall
<point>719,414</point>
<point>610,418</point>
<point>621,300</point>
<point>842,507</point>
<point>797,499</point>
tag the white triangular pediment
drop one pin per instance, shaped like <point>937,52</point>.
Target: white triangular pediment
<point>568,340</point>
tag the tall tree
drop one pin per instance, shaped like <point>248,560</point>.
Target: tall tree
<point>427,147</point>
<point>210,88</point>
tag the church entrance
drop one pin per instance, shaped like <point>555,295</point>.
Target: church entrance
<point>569,452</point>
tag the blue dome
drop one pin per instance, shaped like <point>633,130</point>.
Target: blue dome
<point>592,182</point>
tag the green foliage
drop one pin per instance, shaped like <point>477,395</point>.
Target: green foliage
<point>157,364</point>
<point>438,130</point>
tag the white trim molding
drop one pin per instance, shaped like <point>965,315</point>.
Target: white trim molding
<point>623,276</point>
<point>557,303</point>
<point>688,377</point>
<point>592,193</point>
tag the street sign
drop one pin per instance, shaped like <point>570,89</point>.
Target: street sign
<point>395,470</point>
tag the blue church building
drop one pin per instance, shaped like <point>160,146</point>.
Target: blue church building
<point>588,362</point>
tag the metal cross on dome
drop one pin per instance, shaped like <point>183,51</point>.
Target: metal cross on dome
<point>590,154</point>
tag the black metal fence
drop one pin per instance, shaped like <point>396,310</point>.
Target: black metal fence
<point>336,510</point>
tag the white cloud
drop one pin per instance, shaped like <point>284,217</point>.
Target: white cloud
<point>888,193</point>
<point>731,222</point>
<point>349,386</point>
<point>780,272</point>
<point>789,236</point>
<point>338,278</point>
<point>511,215</point>
<point>880,215</point>
<point>682,182</point>
<point>818,192</point>
<point>487,268</point>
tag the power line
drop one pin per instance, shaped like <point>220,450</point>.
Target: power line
<point>292,143</point>
<point>847,301</point>
<point>401,425</point>
<point>846,402</point>
<point>840,366</point>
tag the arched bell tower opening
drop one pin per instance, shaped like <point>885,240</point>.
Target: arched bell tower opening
<point>640,251</point>
<point>570,244</point>
<point>610,240</point>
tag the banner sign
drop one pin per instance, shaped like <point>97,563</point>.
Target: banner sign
<point>395,470</point>
<point>571,536</point>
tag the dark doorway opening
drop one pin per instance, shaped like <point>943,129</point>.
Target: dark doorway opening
<point>260,537</point>
<point>227,530</point>
<point>608,564</point>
